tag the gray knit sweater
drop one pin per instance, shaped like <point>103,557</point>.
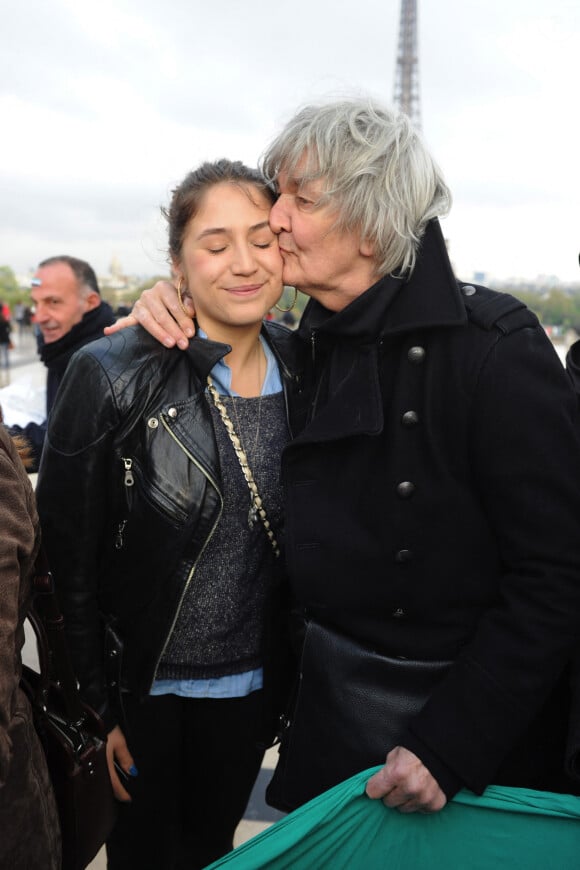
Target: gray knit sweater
<point>219,625</point>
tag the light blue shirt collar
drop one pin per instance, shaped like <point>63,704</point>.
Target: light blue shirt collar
<point>221,374</point>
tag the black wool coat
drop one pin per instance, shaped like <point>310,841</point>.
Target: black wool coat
<point>432,511</point>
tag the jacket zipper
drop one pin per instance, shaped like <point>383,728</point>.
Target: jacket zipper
<point>201,552</point>
<point>119,542</point>
<point>129,479</point>
<point>128,482</point>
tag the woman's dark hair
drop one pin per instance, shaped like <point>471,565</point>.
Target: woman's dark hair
<point>187,196</point>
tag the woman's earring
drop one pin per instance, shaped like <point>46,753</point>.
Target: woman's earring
<point>179,289</point>
<point>284,310</point>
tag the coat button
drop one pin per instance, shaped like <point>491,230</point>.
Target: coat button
<point>402,556</point>
<point>153,422</point>
<point>469,290</point>
<point>172,413</point>
<point>399,613</point>
<point>416,354</point>
<point>405,489</point>
<point>410,419</point>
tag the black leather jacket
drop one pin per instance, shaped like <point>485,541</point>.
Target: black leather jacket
<point>129,495</point>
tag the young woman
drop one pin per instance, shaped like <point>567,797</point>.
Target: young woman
<point>161,509</point>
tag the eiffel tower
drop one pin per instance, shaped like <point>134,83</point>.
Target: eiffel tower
<point>406,95</point>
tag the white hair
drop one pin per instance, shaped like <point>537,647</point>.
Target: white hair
<point>376,170</point>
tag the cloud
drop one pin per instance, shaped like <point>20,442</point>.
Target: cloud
<point>108,103</point>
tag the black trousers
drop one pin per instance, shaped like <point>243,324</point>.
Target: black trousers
<point>197,762</point>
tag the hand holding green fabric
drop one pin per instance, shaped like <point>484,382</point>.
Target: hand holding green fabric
<point>343,830</point>
<point>405,783</point>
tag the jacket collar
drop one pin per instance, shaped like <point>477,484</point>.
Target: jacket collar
<point>204,353</point>
<point>429,298</point>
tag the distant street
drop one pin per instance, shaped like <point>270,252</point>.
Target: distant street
<point>24,359</point>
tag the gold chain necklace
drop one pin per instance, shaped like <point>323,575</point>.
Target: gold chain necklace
<point>256,504</point>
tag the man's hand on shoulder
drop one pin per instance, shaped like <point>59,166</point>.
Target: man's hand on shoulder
<point>159,312</point>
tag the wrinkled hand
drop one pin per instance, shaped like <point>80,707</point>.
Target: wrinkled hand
<point>118,751</point>
<point>159,312</point>
<point>405,783</point>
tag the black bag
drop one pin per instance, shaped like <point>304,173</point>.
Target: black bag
<point>352,707</point>
<point>71,733</point>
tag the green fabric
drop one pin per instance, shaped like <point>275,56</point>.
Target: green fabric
<point>511,828</point>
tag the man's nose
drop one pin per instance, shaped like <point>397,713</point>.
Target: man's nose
<point>280,216</point>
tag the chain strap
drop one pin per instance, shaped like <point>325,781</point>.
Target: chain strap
<point>255,498</point>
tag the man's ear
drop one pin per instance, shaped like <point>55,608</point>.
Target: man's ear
<point>93,300</point>
<point>367,248</point>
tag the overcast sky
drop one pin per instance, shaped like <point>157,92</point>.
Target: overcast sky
<point>106,104</point>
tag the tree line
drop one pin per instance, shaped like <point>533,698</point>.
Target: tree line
<point>554,307</point>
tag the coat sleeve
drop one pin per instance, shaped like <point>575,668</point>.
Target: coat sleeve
<point>73,495</point>
<point>525,455</point>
